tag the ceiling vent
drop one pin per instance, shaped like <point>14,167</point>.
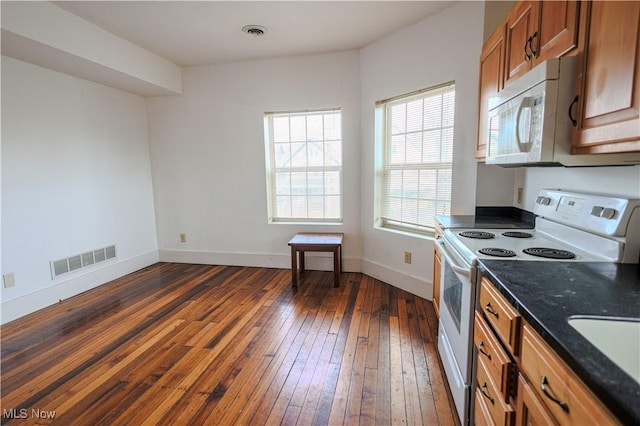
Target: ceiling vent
<point>254,30</point>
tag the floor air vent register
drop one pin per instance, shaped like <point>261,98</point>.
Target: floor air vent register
<point>80,261</point>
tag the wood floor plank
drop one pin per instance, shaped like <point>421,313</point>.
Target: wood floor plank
<point>177,344</point>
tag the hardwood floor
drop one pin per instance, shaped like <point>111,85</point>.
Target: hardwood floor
<point>202,344</point>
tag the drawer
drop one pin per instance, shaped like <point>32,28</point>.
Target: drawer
<point>481,414</point>
<point>561,392</point>
<point>501,315</point>
<point>498,363</point>
<point>530,410</point>
<point>501,412</point>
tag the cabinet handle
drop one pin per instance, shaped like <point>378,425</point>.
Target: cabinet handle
<point>482,351</point>
<point>483,389</point>
<point>490,310</point>
<point>574,122</point>
<point>546,393</point>
<point>526,53</point>
<point>530,42</point>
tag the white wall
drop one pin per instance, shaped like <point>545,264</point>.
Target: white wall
<point>75,177</point>
<point>495,185</point>
<point>440,48</point>
<point>208,158</point>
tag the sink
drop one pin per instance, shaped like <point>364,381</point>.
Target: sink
<point>617,338</point>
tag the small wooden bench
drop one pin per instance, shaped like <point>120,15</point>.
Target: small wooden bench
<point>306,241</point>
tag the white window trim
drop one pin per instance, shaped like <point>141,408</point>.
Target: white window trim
<point>271,171</point>
<point>380,133</point>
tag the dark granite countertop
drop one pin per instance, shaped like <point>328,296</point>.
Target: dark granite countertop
<point>490,218</point>
<point>547,293</point>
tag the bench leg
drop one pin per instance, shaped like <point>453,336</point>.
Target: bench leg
<point>294,267</point>
<point>336,267</point>
<point>302,269</point>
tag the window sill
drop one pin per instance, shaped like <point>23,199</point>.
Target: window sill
<point>282,222</point>
<point>421,235</point>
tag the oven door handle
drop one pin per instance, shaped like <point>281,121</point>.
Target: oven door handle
<point>449,259</point>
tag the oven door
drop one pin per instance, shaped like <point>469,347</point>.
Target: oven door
<point>457,297</point>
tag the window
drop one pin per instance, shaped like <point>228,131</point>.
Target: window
<point>414,174</point>
<point>304,166</point>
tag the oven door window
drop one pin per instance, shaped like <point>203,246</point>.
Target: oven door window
<point>452,294</point>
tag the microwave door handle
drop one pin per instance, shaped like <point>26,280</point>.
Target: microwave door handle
<point>525,103</point>
<point>457,268</point>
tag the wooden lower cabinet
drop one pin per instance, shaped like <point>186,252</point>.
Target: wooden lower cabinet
<point>529,409</point>
<point>519,379</point>
<point>502,413</point>
<point>497,361</point>
<point>481,414</point>
<point>500,314</point>
<point>557,387</point>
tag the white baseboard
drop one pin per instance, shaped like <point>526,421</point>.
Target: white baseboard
<point>409,283</point>
<point>314,261</point>
<point>72,286</point>
<point>318,261</point>
<point>60,290</point>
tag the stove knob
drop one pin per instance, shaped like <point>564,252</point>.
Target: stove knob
<point>608,213</point>
<point>596,210</point>
<point>545,201</point>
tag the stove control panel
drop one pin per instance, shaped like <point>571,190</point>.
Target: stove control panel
<point>600,214</point>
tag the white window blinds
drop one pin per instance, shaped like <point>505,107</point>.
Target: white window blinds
<point>415,177</point>
<point>304,165</point>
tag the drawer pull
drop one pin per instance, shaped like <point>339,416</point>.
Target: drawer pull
<point>483,389</point>
<point>482,351</point>
<point>490,309</point>
<point>543,387</point>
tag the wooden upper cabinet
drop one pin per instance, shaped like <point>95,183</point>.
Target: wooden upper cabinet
<point>539,30</point>
<point>520,29</point>
<point>557,29</point>
<point>491,82</point>
<point>609,79</point>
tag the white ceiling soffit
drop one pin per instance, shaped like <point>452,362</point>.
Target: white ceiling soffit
<point>192,33</point>
<point>46,35</point>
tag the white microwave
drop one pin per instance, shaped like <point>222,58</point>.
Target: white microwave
<point>529,122</point>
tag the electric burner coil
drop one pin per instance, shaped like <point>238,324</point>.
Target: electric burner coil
<point>549,253</point>
<point>497,252</point>
<point>517,234</point>
<point>477,235</point>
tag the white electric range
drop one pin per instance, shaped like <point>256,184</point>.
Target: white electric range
<point>569,227</point>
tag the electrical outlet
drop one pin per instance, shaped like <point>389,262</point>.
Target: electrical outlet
<point>8,280</point>
<point>519,196</point>
<point>183,238</point>
<point>407,257</point>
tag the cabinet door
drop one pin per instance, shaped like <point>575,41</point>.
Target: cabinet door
<point>519,29</point>
<point>557,29</point>
<point>491,82</point>
<point>437,267</point>
<point>559,390</point>
<point>609,80</point>
<point>529,410</point>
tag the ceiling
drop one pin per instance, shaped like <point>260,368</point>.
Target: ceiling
<point>192,33</point>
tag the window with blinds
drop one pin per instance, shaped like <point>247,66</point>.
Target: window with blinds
<point>304,166</point>
<point>417,151</point>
